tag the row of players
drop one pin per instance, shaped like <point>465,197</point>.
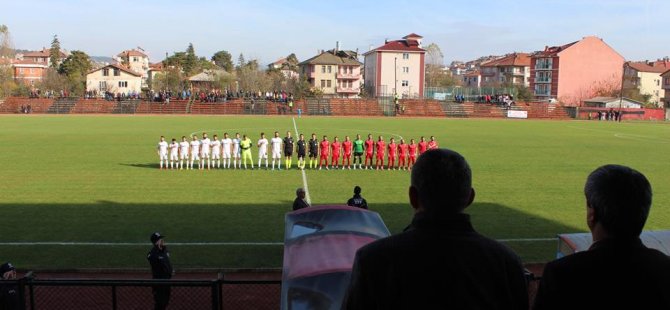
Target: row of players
<point>208,153</point>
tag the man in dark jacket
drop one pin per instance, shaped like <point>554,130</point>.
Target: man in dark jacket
<point>439,261</point>
<point>357,201</point>
<point>617,271</point>
<point>9,292</point>
<point>299,202</point>
<point>161,268</point>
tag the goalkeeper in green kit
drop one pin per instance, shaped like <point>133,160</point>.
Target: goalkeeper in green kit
<point>358,152</point>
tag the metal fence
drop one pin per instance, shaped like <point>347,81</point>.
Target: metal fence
<point>40,294</point>
<point>468,93</point>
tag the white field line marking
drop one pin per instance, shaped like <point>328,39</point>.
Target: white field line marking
<point>625,136</point>
<point>304,175</point>
<point>44,243</point>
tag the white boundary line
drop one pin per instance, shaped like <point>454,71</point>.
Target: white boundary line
<point>304,175</point>
<point>43,243</point>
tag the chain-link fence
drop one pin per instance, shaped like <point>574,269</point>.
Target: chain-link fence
<point>472,94</point>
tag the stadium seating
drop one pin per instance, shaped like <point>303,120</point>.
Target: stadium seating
<point>174,107</point>
<point>62,105</point>
<point>229,107</point>
<point>96,106</point>
<point>37,105</point>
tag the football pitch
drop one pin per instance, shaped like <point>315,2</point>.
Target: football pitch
<point>86,191</point>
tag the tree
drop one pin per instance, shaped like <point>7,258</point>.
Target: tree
<point>190,62</point>
<point>74,68</point>
<point>7,84</point>
<point>170,79</point>
<point>224,60</point>
<point>6,46</point>
<point>240,61</point>
<point>54,53</point>
<point>292,62</point>
<point>434,55</point>
<point>53,81</point>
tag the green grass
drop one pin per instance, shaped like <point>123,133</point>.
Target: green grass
<point>93,179</point>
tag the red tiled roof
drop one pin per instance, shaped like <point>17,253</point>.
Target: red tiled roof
<point>28,62</point>
<point>280,61</point>
<point>552,51</point>
<point>399,45</point>
<point>132,52</point>
<point>472,73</point>
<point>666,72</point>
<point>514,59</point>
<point>156,66</point>
<point>645,67</point>
<point>43,53</point>
<point>412,35</point>
<point>117,66</point>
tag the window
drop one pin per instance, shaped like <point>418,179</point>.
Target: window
<point>323,69</point>
<point>658,82</point>
<point>405,83</point>
<point>323,83</point>
<point>543,77</point>
<point>543,63</point>
<point>102,86</point>
<point>312,68</point>
<point>330,69</point>
<point>543,89</point>
<point>40,59</point>
<point>135,59</point>
<point>20,70</point>
<point>105,72</point>
<point>405,55</point>
<point>123,84</point>
<point>328,84</point>
<point>405,69</point>
<point>30,71</point>
<point>117,72</point>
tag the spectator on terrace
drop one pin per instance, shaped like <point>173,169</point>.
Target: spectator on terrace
<point>9,292</point>
<point>617,271</point>
<point>439,261</point>
<point>299,202</point>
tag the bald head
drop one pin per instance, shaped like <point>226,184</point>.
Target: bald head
<point>441,182</point>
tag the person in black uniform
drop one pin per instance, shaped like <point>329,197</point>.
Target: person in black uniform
<point>9,292</point>
<point>301,148</point>
<point>357,201</point>
<point>299,202</point>
<point>288,150</point>
<point>313,151</point>
<point>159,258</point>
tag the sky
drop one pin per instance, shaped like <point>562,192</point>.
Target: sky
<point>269,30</point>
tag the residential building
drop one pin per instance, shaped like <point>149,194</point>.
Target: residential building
<point>646,76</point>
<point>666,87</point>
<point>29,71</point>
<point>457,68</point>
<point>336,73</point>
<point>154,70</point>
<point>511,69</point>
<point>114,78</point>
<point>575,71</point>
<point>284,67</point>
<point>136,61</point>
<point>472,79</point>
<point>397,67</point>
<point>41,57</point>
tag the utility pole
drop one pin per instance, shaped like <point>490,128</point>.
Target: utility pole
<point>623,76</point>
<point>395,74</point>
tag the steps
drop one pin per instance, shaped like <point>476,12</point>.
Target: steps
<point>126,106</point>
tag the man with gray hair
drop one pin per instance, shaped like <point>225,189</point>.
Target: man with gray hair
<point>299,202</point>
<point>439,261</point>
<point>617,271</point>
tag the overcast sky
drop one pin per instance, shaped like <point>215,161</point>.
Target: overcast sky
<point>268,30</point>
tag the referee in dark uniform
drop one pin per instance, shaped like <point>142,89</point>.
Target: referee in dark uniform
<point>301,148</point>
<point>313,151</point>
<point>161,268</point>
<point>357,200</point>
<point>288,150</point>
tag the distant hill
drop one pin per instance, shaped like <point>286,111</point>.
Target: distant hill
<point>102,59</point>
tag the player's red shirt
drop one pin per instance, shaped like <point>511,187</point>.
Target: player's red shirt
<point>423,146</point>
<point>336,148</point>
<point>324,148</point>
<point>380,148</point>
<point>432,145</point>
<point>393,148</point>
<point>347,145</point>
<point>402,150</point>
<point>412,150</point>
<point>369,146</point>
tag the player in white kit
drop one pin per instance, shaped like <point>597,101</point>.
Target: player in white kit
<point>195,152</point>
<point>174,153</point>
<point>276,151</point>
<point>163,152</point>
<point>183,152</point>
<point>263,150</point>
<point>216,151</point>
<point>226,145</point>
<point>205,151</point>
<point>237,152</point>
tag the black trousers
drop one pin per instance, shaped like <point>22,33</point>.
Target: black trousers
<point>161,297</point>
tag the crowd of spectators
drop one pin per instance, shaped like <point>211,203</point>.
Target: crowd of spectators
<point>610,115</point>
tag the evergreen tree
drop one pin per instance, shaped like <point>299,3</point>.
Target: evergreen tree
<point>54,53</point>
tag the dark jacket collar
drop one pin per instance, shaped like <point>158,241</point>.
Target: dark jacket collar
<point>611,242</point>
<point>459,222</point>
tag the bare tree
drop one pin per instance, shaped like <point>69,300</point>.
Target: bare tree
<point>7,84</point>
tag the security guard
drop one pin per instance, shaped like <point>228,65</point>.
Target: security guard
<point>159,258</point>
<point>357,201</point>
<point>9,291</point>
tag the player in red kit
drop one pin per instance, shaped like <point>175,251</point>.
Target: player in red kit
<point>402,155</point>
<point>432,144</point>
<point>423,146</point>
<point>323,150</point>
<point>347,146</point>
<point>335,153</point>
<point>369,150</point>
<point>412,154</point>
<point>392,151</point>
<point>380,148</point>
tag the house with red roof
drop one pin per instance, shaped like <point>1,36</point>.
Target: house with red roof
<point>336,73</point>
<point>646,77</point>
<point>397,67</point>
<point>136,61</point>
<point>41,57</point>
<point>511,69</point>
<point>575,71</point>
<point>114,78</point>
<point>29,71</point>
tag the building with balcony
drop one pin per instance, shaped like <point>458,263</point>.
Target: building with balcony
<point>511,69</point>
<point>665,77</point>
<point>472,79</point>
<point>575,71</point>
<point>646,77</point>
<point>335,73</point>
<point>135,60</point>
<point>397,67</point>
<point>115,79</point>
<point>41,57</point>
<point>29,72</point>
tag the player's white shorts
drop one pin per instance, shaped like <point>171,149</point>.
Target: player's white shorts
<point>237,154</point>
<point>262,155</point>
<point>226,155</point>
<point>276,154</point>
<point>195,156</point>
<point>216,155</point>
<point>205,154</point>
<point>183,155</point>
<point>163,156</point>
<point>174,156</point>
